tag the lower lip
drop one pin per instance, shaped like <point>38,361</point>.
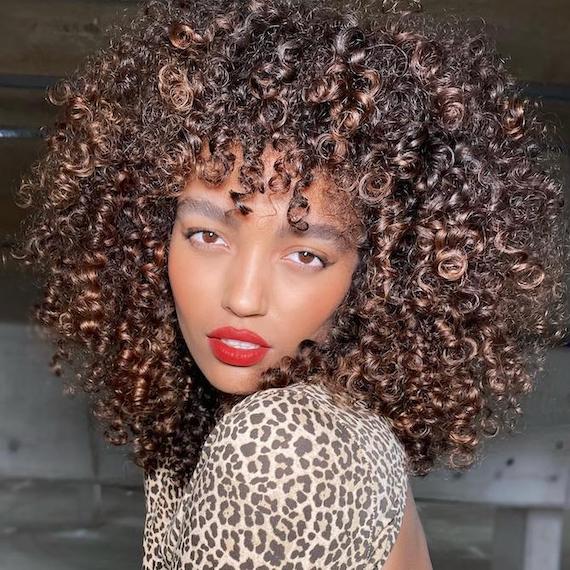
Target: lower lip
<point>236,356</point>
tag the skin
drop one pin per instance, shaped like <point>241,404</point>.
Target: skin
<point>248,276</point>
<point>410,551</point>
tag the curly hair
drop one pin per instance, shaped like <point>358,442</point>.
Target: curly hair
<point>460,285</point>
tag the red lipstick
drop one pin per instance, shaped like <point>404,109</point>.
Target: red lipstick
<point>234,355</point>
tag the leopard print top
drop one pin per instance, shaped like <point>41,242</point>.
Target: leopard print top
<point>288,480</point>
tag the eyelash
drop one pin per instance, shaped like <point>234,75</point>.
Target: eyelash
<point>191,231</point>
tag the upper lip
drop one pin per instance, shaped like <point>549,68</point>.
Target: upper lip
<point>238,334</point>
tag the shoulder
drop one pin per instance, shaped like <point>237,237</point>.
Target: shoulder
<point>298,432</point>
<point>276,433</point>
<point>308,410</point>
<point>298,402</point>
<point>295,409</point>
<point>287,475</point>
<point>302,413</point>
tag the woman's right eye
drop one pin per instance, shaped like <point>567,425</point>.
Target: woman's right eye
<point>207,235</point>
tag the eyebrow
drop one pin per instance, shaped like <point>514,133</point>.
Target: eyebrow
<point>210,210</point>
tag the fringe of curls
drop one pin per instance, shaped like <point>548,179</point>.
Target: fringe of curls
<point>460,288</point>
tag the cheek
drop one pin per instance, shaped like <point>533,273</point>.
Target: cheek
<point>317,301</point>
<point>194,284</point>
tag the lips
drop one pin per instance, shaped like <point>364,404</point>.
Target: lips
<point>237,356</point>
<point>238,334</point>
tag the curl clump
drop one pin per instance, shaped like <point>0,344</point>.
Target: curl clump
<point>460,286</point>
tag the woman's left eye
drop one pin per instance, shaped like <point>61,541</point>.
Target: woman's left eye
<point>311,256</point>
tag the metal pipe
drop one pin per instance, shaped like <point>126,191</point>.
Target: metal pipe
<point>22,81</point>
<point>19,133</point>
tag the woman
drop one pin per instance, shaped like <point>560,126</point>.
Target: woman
<point>301,254</point>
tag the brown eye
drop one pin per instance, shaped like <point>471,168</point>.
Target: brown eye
<point>208,237</point>
<point>208,233</point>
<point>309,256</point>
<point>308,259</point>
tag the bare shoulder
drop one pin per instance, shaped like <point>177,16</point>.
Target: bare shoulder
<point>410,550</point>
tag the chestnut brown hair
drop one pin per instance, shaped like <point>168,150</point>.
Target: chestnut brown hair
<point>460,286</point>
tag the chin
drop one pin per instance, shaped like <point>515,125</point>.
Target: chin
<point>233,390</point>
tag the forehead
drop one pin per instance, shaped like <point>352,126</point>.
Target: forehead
<point>324,197</point>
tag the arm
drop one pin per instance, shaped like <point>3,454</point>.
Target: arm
<point>410,549</point>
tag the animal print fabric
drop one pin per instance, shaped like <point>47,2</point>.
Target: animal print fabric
<point>286,479</point>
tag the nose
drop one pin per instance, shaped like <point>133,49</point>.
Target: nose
<point>247,283</point>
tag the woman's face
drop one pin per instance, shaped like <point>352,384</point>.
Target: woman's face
<point>253,272</point>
